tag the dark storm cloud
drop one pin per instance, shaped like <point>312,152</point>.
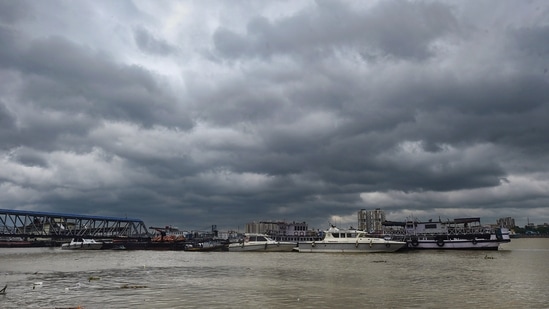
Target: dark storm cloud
<point>75,80</point>
<point>532,41</point>
<point>7,126</point>
<point>490,109</point>
<point>60,75</point>
<point>397,28</point>
<point>306,111</point>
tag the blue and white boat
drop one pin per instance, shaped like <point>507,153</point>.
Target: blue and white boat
<point>460,233</point>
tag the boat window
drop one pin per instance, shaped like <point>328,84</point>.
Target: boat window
<point>351,235</point>
<point>335,235</point>
<point>261,238</point>
<point>430,226</point>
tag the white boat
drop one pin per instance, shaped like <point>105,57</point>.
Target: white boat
<point>82,244</point>
<point>349,241</point>
<point>261,242</point>
<point>460,233</point>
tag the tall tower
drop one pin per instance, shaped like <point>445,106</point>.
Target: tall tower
<point>371,220</point>
<point>507,222</point>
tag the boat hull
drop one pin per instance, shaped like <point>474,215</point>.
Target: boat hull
<point>360,247</point>
<point>25,244</point>
<point>206,246</point>
<point>82,244</point>
<point>454,244</point>
<point>262,247</point>
<point>95,246</point>
<point>205,249</point>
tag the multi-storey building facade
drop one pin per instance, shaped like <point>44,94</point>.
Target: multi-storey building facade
<point>506,222</point>
<point>261,227</point>
<point>279,229</point>
<point>371,220</point>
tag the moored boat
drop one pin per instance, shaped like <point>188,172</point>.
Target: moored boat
<point>207,245</point>
<point>167,238</point>
<point>261,242</point>
<point>460,233</point>
<point>82,244</point>
<point>349,241</point>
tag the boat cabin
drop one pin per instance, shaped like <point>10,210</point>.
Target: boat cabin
<point>337,233</point>
<point>256,237</point>
<point>456,226</point>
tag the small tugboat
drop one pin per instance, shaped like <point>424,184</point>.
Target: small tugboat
<point>460,233</point>
<point>171,238</point>
<point>261,242</point>
<point>82,244</point>
<point>349,241</point>
<point>167,238</point>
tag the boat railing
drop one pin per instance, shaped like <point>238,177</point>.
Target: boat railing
<point>439,233</point>
<point>394,231</point>
<point>450,230</point>
<point>469,230</point>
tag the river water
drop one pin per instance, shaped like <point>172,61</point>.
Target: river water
<point>515,276</point>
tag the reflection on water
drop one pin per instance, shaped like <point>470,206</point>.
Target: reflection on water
<point>514,276</point>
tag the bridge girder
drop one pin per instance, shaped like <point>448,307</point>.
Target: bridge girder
<point>18,223</point>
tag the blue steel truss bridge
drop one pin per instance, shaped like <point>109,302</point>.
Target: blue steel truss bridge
<point>55,226</point>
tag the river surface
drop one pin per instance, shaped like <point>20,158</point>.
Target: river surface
<point>516,276</point>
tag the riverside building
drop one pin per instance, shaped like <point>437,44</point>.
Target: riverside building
<point>371,220</point>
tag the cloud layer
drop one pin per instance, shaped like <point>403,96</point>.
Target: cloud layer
<point>199,113</point>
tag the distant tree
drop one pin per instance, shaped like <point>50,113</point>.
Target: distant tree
<point>542,230</point>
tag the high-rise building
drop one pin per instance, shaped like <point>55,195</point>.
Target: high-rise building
<point>262,227</point>
<point>506,222</point>
<point>278,228</point>
<point>371,220</point>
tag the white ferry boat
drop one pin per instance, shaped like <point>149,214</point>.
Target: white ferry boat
<point>261,242</point>
<point>460,233</point>
<point>82,244</point>
<point>355,241</point>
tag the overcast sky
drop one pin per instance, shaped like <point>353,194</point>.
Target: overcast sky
<point>195,113</point>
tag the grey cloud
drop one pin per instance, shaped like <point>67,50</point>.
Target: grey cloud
<point>14,11</point>
<point>533,41</point>
<point>491,110</point>
<point>9,52</point>
<point>150,44</point>
<point>64,76</point>
<point>398,28</point>
<point>31,158</point>
<point>7,127</point>
<point>7,121</point>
